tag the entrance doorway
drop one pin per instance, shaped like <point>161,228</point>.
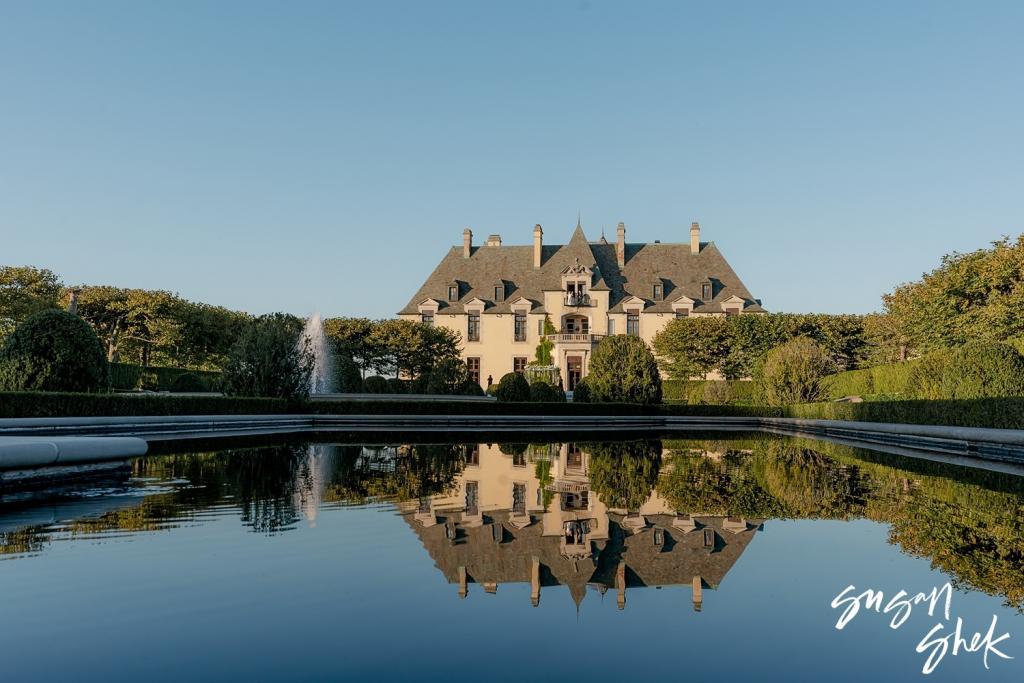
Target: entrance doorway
<point>574,371</point>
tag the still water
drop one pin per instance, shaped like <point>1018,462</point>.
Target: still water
<point>671,559</point>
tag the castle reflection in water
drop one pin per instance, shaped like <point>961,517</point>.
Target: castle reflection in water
<point>529,514</point>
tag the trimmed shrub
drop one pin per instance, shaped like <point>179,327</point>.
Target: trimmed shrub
<point>513,387</point>
<point>268,361</point>
<point>693,391</point>
<point>397,386</point>
<point>375,384</point>
<point>542,392</point>
<point>849,383</point>
<point>187,382</point>
<point>124,376</point>
<point>717,393</point>
<point>623,370</point>
<point>793,373</point>
<point>984,370</point>
<point>925,377</point>
<point>471,388</point>
<point>53,351</point>
<point>581,394</point>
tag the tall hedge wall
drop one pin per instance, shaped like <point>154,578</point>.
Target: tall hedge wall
<point>126,376</point>
<point>692,391</point>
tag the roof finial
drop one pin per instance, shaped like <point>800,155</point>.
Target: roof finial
<point>579,215</point>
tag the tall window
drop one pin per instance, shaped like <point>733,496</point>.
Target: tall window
<point>659,292</point>
<point>499,292</point>
<point>520,327</point>
<point>473,333</point>
<point>611,326</point>
<point>453,292</point>
<point>473,368</point>
<point>519,498</point>
<point>705,291</point>
<point>427,318</point>
<point>519,364</point>
<point>633,324</point>
<point>540,328</point>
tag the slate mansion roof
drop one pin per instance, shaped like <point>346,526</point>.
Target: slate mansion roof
<point>676,266</point>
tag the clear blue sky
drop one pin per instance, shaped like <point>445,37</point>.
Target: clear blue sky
<point>301,155</point>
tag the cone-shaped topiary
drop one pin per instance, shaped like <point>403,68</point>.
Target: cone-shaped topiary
<point>623,370</point>
<point>53,351</point>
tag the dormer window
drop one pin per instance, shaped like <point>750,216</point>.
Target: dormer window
<point>499,292</point>
<point>705,291</point>
<point>659,292</point>
<point>453,292</point>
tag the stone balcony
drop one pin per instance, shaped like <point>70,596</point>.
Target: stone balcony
<point>577,300</point>
<point>575,338</point>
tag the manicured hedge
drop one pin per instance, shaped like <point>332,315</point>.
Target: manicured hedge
<point>692,391</point>
<point>1002,413</point>
<point>38,404</point>
<point>881,379</point>
<point>126,376</point>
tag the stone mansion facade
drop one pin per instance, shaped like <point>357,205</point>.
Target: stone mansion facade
<point>497,297</point>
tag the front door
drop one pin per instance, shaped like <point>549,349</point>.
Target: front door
<point>574,370</point>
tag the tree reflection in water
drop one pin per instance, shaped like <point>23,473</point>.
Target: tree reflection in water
<point>968,523</point>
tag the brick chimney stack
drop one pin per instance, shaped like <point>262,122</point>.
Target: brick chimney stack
<point>538,242</point>
<point>620,244</point>
<point>467,242</point>
<point>694,238</point>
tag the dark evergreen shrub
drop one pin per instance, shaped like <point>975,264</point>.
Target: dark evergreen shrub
<point>581,394</point>
<point>397,386</point>
<point>53,351</point>
<point>375,384</point>
<point>347,377</point>
<point>513,387</point>
<point>471,388</point>
<point>188,383</point>
<point>542,392</point>
<point>148,380</point>
<point>623,370</point>
<point>984,370</point>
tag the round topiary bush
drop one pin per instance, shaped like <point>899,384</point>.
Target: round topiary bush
<point>794,372</point>
<point>984,370</point>
<point>375,384</point>
<point>397,386</point>
<point>53,351</point>
<point>513,387</point>
<point>581,394</point>
<point>471,388</point>
<point>542,392</point>
<point>924,381</point>
<point>187,382</point>
<point>623,370</point>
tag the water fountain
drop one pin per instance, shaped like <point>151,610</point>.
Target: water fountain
<point>315,341</point>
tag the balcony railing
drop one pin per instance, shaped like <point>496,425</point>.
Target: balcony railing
<point>575,338</point>
<point>577,300</point>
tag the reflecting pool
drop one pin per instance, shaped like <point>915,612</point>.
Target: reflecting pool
<point>715,558</point>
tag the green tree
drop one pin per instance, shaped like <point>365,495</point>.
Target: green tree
<point>351,338</point>
<point>542,355</point>
<point>267,360</point>
<point>411,349</point>
<point>689,348</point>
<point>53,351</point>
<point>623,473</point>
<point>623,370</point>
<point>24,291</point>
<point>973,296</point>
<point>793,373</point>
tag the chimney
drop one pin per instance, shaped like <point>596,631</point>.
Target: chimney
<point>494,241</point>
<point>620,244</point>
<point>538,242</point>
<point>694,238</point>
<point>467,242</point>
